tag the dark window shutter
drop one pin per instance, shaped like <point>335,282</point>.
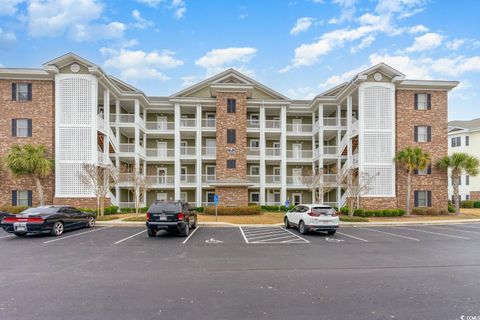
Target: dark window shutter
<point>415,198</point>
<point>415,134</point>
<point>14,197</point>
<point>14,127</point>
<point>429,198</point>
<point>467,140</point>
<point>29,198</point>
<point>29,92</point>
<point>429,101</point>
<point>14,92</point>
<point>429,133</point>
<point>416,101</point>
<point>459,180</point>
<point>29,127</point>
<point>429,169</point>
<point>415,171</point>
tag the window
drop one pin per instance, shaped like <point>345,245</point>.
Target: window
<point>231,136</point>
<point>231,105</point>
<point>467,140</point>
<point>22,198</point>
<point>422,198</point>
<point>467,180</point>
<point>231,164</point>
<point>254,144</point>
<point>457,142</point>
<point>255,119</point>
<point>427,170</point>
<point>422,101</point>
<point>254,170</point>
<point>423,134</point>
<point>254,197</point>
<point>21,127</point>
<point>21,92</point>
<point>467,197</point>
<point>210,196</point>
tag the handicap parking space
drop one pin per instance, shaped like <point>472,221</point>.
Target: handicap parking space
<point>271,235</point>
<point>206,236</point>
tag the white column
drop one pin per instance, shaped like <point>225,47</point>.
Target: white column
<point>137,134</point>
<point>117,110</point>
<point>198,149</point>
<point>177,151</point>
<point>283,147</point>
<point>145,174</point>
<point>339,115</point>
<point>262,155</point>
<point>117,188</point>
<point>106,121</point>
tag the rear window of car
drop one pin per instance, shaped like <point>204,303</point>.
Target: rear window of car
<point>169,207</point>
<point>40,211</point>
<point>322,210</point>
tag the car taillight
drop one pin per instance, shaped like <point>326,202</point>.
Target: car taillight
<point>180,216</point>
<point>313,214</point>
<point>334,214</point>
<point>16,219</point>
<point>35,220</point>
<point>148,215</point>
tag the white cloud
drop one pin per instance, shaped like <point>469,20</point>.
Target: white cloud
<point>140,22</point>
<point>413,68</point>
<point>426,42</point>
<point>303,24</point>
<point>219,59</point>
<point>92,32</point>
<point>307,93</point>
<point>189,80</point>
<point>456,66</point>
<point>6,38</point>
<point>401,7</point>
<point>150,3</point>
<point>418,29</point>
<point>9,7</point>
<point>347,10</point>
<point>338,79</point>
<point>137,65</point>
<point>179,8</point>
<point>455,44</point>
<point>365,43</point>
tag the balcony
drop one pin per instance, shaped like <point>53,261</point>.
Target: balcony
<point>253,124</point>
<point>161,180</point>
<point>275,125</point>
<point>127,147</point>
<point>333,150</point>
<point>206,178</point>
<point>123,118</point>
<point>161,154</point>
<point>104,160</point>
<point>297,181</point>
<point>188,123</point>
<point>210,152</point>
<point>354,128</point>
<point>297,128</point>
<point>329,178</point>
<point>253,151</point>
<point>160,126</point>
<point>254,179</point>
<point>299,154</point>
<point>101,123</point>
<point>209,124</point>
<point>273,152</point>
<point>188,179</point>
<point>186,152</point>
<point>273,179</point>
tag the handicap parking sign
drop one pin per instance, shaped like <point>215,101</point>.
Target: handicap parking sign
<point>287,203</point>
<point>215,199</point>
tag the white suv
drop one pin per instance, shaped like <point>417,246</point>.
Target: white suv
<point>312,217</point>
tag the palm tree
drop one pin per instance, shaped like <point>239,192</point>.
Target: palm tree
<point>412,159</point>
<point>459,163</point>
<point>30,161</point>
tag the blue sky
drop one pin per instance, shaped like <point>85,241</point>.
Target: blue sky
<point>298,47</point>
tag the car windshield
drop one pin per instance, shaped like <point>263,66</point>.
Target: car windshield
<point>41,210</point>
<point>158,207</point>
<point>322,210</point>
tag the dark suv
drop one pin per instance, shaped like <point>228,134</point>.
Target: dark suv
<point>173,216</point>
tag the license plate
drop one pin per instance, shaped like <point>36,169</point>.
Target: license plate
<point>163,218</point>
<point>20,226</point>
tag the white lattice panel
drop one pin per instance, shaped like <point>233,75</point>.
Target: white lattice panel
<point>378,147</point>
<point>68,182</point>
<point>76,101</point>
<point>377,108</point>
<point>380,179</point>
<point>75,144</point>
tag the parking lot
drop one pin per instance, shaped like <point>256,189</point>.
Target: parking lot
<point>405,272</point>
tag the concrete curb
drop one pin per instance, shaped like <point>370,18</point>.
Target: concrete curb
<point>119,223</point>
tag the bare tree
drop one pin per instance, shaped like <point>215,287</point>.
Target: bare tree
<point>99,179</point>
<point>140,184</point>
<point>357,184</point>
<point>318,182</point>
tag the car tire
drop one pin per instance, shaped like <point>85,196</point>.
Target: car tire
<point>195,224</point>
<point>57,229</point>
<point>331,232</point>
<point>186,230</point>
<point>287,223</point>
<point>152,232</point>
<point>20,234</point>
<point>301,228</point>
<point>91,222</point>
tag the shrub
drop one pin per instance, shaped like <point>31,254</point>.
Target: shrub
<point>443,213</point>
<point>111,210</point>
<point>126,210</point>
<point>13,209</point>
<point>143,210</point>
<point>199,209</point>
<point>476,204</point>
<point>359,213</point>
<point>344,210</point>
<point>370,213</point>
<point>419,211</point>
<point>401,212</point>
<point>431,212</point>
<point>353,219</point>
<point>271,208</point>
<point>467,204</point>
<point>285,209</point>
<point>451,208</point>
<point>234,211</point>
<point>379,213</point>
<point>387,213</point>
<point>88,210</point>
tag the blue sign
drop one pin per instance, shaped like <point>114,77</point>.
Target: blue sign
<point>215,199</point>
<point>287,203</point>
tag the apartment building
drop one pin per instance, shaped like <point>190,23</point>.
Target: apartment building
<point>464,136</point>
<point>227,135</point>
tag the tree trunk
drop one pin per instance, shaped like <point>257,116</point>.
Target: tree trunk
<point>102,206</point>
<point>409,191</point>
<point>41,196</point>
<point>456,192</point>
<point>350,206</point>
<point>98,206</point>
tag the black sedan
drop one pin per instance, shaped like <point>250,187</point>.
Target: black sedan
<point>53,220</point>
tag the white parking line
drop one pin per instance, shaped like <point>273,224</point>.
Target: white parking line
<point>130,237</point>
<point>248,232</point>
<point>190,235</point>
<point>267,235</point>
<point>9,236</point>
<point>388,233</point>
<point>431,232</point>
<point>455,229</point>
<point>77,234</point>
<point>271,239</point>
<point>296,235</point>
<point>348,235</point>
<point>243,234</point>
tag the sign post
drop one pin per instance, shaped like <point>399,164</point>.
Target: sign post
<point>215,201</point>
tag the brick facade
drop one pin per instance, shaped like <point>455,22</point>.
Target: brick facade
<point>379,203</point>
<point>475,195</point>
<point>41,111</point>
<point>232,196</point>
<point>437,117</point>
<point>80,202</point>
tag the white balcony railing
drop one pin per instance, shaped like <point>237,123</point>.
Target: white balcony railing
<point>160,125</point>
<point>188,151</point>
<point>208,123</point>
<point>297,128</point>
<point>296,181</point>
<point>273,124</point>
<point>343,122</point>
<point>329,178</point>
<point>254,179</point>
<point>209,151</point>
<point>330,121</point>
<point>127,147</point>
<point>355,159</point>
<point>273,179</point>
<point>299,154</point>
<point>330,149</point>
<point>103,159</point>
<point>100,122</point>
<point>188,123</point>
<point>354,130</point>
<point>206,178</point>
<point>126,118</point>
<point>161,153</point>
<point>160,180</point>
<point>253,151</point>
<point>188,178</point>
<point>273,152</point>
<point>253,123</point>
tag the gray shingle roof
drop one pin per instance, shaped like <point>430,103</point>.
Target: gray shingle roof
<point>467,124</point>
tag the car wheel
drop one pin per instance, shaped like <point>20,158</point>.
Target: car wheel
<point>91,222</point>
<point>331,232</point>
<point>301,228</point>
<point>20,234</point>
<point>186,230</point>
<point>152,232</point>
<point>57,229</point>
<point>195,223</point>
<point>287,223</point>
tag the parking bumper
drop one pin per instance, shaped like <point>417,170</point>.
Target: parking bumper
<point>166,225</point>
<point>321,227</point>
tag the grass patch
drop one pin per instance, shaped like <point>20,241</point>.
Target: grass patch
<point>108,218</point>
<point>353,219</point>
<point>141,218</point>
